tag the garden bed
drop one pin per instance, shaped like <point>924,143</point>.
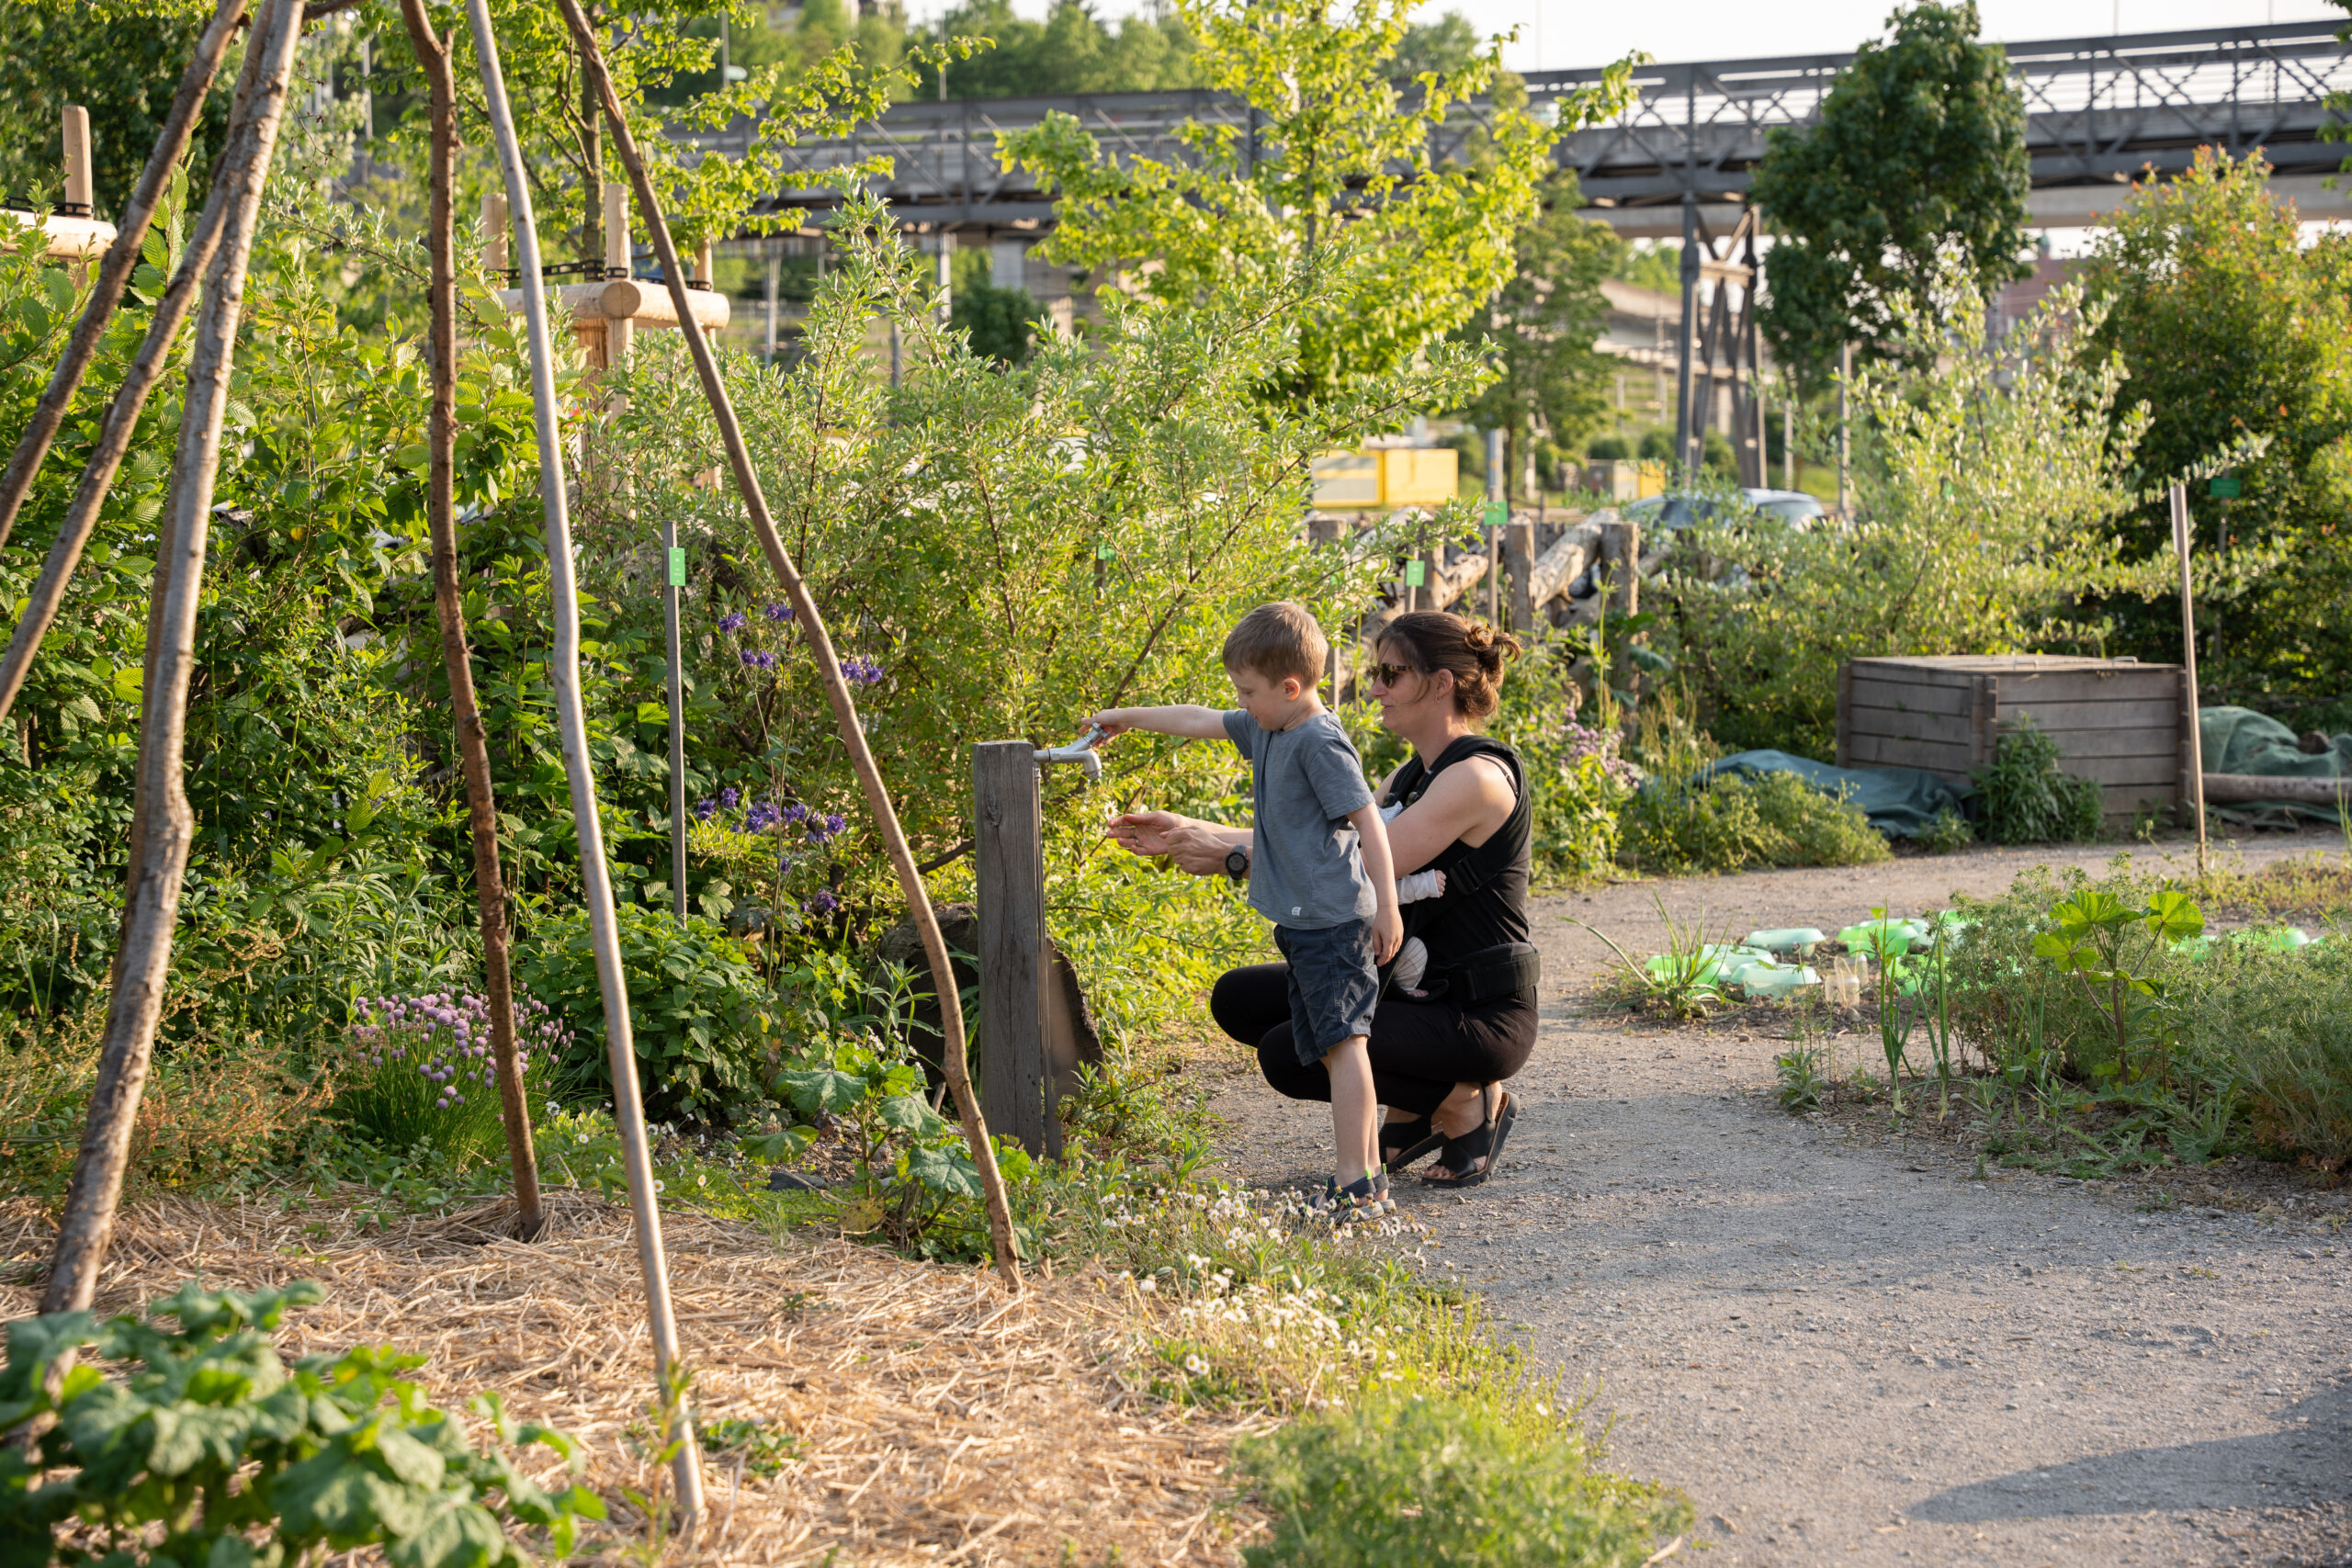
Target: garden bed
<point>858,1407</point>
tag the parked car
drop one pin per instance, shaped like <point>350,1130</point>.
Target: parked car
<point>1794,507</point>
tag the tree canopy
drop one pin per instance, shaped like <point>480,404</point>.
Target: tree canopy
<point>1918,155</point>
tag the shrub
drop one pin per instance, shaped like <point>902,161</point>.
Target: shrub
<point>698,1010</point>
<point>2027,800</point>
<point>320,1462</point>
<point>2288,1014</point>
<point>1440,1482</point>
<point>1608,448</point>
<point>1684,819</point>
<point>420,1070</point>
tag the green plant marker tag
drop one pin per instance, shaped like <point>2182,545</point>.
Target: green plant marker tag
<point>677,567</point>
<point>1415,571</point>
<point>1497,514</point>
<point>2224,487</point>
<point>1105,551</point>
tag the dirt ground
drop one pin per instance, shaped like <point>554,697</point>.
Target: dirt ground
<point>1846,1349</point>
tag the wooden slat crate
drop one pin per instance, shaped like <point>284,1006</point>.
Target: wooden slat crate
<point>2115,720</point>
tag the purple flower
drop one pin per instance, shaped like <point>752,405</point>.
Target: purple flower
<point>729,796</point>
<point>793,814</point>
<point>863,671</point>
<point>760,818</point>
<point>731,623</point>
<point>705,810</point>
<point>779,612</point>
<point>822,902</point>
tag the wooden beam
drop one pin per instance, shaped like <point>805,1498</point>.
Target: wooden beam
<point>645,305</point>
<point>1010,864</point>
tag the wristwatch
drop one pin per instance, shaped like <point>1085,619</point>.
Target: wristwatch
<point>1236,864</point>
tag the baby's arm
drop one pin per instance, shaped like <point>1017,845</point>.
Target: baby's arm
<point>1420,884</point>
<point>1190,720</point>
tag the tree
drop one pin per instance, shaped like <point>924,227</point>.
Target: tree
<point>1919,154</point>
<point>1992,475</point>
<point>2233,328</point>
<point>1442,47</point>
<point>1334,184</point>
<point>1070,52</point>
<point>1540,331</point>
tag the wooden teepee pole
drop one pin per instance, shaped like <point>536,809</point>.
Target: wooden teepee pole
<point>162,828</point>
<point>829,668</point>
<point>114,274</point>
<point>440,509</point>
<point>595,876</point>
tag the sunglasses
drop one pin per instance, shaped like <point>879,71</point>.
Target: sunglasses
<point>1391,674</point>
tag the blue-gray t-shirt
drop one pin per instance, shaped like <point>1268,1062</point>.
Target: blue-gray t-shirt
<point>1305,868</point>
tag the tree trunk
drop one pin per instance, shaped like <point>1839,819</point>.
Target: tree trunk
<point>164,826</point>
<point>122,256</point>
<point>821,644</point>
<point>440,507</point>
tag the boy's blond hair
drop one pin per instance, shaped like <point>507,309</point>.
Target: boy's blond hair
<point>1279,639</point>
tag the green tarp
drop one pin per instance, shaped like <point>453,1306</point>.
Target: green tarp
<point>2240,741</point>
<point>1900,802</point>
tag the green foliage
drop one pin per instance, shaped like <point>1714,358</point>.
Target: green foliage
<point>999,322</point>
<point>1949,831</point>
<point>2233,328</point>
<point>1072,51</point>
<point>1402,1479</point>
<point>2026,798</point>
<point>1542,327</point>
<point>2286,1018</point>
<point>2105,943</point>
<point>1801,1083</point>
<point>1336,184</point>
<point>1686,818</point>
<point>1918,158</point>
<point>1991,474</point>
<point>421,1071</point>
<point>210,1450</point>
<point>696,1010</point>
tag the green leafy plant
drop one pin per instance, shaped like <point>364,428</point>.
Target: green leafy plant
<point>1686,979</point>
<point>2027,799</point>
<point>698,1009</point>
<point>1798,1070</point>
<point>1948,831</point>
<point>2102,941</point>
<point>1686,818</point>
<point>207,1450</point>
<point>1439,1482</point>
<point>1886,944</point>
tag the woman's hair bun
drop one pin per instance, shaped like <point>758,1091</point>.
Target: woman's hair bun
<point>1474,652</point>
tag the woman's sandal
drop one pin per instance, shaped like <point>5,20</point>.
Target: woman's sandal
<point>1483,1144</point>
<point>1402,1143</point>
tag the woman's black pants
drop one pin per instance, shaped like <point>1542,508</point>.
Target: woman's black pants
<point>1419,1050</point>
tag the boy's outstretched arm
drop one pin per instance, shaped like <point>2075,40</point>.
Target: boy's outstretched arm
<point>1188,719</point>
<point>1387,920</point>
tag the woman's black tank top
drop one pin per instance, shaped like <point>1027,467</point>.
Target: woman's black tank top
<point>1485,901</point>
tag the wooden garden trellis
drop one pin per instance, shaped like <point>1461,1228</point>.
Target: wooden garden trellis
<point>820,645</point>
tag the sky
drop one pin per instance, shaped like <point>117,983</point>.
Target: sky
<point>1554,36</point>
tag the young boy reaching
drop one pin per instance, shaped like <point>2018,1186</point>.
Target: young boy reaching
<point>1318,865</point>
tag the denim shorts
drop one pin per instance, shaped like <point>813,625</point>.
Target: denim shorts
<point>1334,986</point>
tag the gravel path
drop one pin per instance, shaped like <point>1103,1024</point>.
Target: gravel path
<point>1853,1353</point>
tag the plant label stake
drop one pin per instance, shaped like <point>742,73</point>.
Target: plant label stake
<point>595,877</point>
<point>2180,537</point>
<point>673,580</point>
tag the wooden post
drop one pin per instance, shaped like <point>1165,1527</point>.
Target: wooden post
<point>494,232</point>
<point>162,828</point>
<point>673,580</point>
<point>618,335</point>
<point>595,870</point>
<point>114,273</point>
<point>1497,513</point>
<point>457,658</point>
<point>1845,435</point>
<point>1519,549</point>
<point>80,194</point>
<point>1008,859</point>
<point>2181,538</point>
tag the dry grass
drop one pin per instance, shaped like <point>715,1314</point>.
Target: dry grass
<point>932,1418</point>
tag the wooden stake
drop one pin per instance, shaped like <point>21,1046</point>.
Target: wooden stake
<point>596,875</point>
<point>122,256</point>
<point>1009,865</point>
<point>820,645</point>
<point>2180,540</point>
<point>440,510</point>
<point>164,827</point>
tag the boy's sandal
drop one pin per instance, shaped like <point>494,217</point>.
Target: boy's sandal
<point>1482,1144</point>
<point>1402,1143</point>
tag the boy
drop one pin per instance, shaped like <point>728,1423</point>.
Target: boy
<point>1318,865</point>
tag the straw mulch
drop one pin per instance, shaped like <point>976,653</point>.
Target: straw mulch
<point>933,1418</point>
